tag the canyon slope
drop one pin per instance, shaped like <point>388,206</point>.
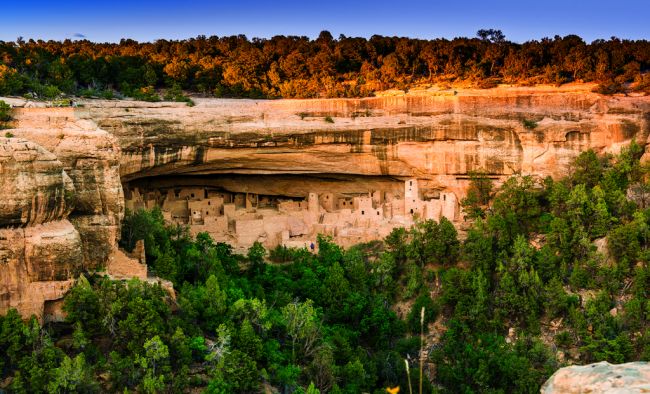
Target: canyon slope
<point>64,170</point>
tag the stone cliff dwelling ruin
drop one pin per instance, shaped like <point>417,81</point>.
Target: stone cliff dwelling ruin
<point>272,171</point>
<point>222,207</point>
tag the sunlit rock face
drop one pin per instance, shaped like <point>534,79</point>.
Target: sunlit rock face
<point>438,137</point>
<point>61,206</point>
<point>291,168</point>
<point>33,184</point>
<point>40,250</point>
<point>263,151</point>
<point>90,157</point>
<point>600,378</point>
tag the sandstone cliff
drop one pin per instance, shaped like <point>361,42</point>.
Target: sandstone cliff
<point>439,137</point>
<point>40,250</point>
<point>61,206</point>
<point>62,175</point>
<point>90,157</point>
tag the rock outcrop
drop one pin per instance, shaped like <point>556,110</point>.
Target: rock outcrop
<point>61,207</point>
<point>63,172</point>
<point>90,157</point>
<point>601,377</point>
<point>40,250</point>
<point>438,137</point>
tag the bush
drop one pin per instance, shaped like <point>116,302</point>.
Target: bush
<point>529,124</point>
<point>563,339</point>
<point>176,94</point>
<point>328,119</point>
<point>145,94</point>
<point>50,92</point>
<point>5,112</point>
<point>609,88</point>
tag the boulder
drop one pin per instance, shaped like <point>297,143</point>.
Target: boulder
<point>601,377</point>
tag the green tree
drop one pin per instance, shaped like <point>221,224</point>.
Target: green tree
<point>256,255</point>
<point>5,112</point>
<point>73,376</point>
<point>155,364</point>
<point>478,195</point>
<point>303,327</point>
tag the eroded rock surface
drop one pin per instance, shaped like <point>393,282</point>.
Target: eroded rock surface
<point>268,153</point>
<point>40,250</point>
<point>60,210</point>
<point>327,163</point>
<point>33,185</point>
<point>90,156</point>
<point>602,377</point>
<point>436,137</point>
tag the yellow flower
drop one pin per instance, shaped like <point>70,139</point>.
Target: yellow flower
<point>393,390</point>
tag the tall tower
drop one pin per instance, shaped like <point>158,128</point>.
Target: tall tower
<point>411,196</point>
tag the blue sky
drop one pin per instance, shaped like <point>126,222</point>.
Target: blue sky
<point>149,20</point>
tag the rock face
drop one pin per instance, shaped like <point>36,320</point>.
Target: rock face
<point>40,250</point>
<point>62,199</point>
<point>60,210</point>
<point>90,157</point>
<point>438,137</point>
<point>35,188</point>
<point>601,377</point>
<point>352,148</point>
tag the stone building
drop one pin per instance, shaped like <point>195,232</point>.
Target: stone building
<point>244,218</point>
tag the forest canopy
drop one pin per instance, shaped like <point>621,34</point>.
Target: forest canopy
<point>299,67</point>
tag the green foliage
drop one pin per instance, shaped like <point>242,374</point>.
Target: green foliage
<point>153,362</point>
<point>484,362</point>
<point>72,376</point>
<point>147,93</point>
<point>303,327</point>
<point>430,313</point>
<point>433,242</point>
<point>529,124</point>
<point>176,94</point>
<point>5,112</point>
<point>238,373</point>
<point>328,119</point>
<point>479,194</point>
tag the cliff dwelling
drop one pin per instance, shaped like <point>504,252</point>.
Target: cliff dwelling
<point>291,210</point>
